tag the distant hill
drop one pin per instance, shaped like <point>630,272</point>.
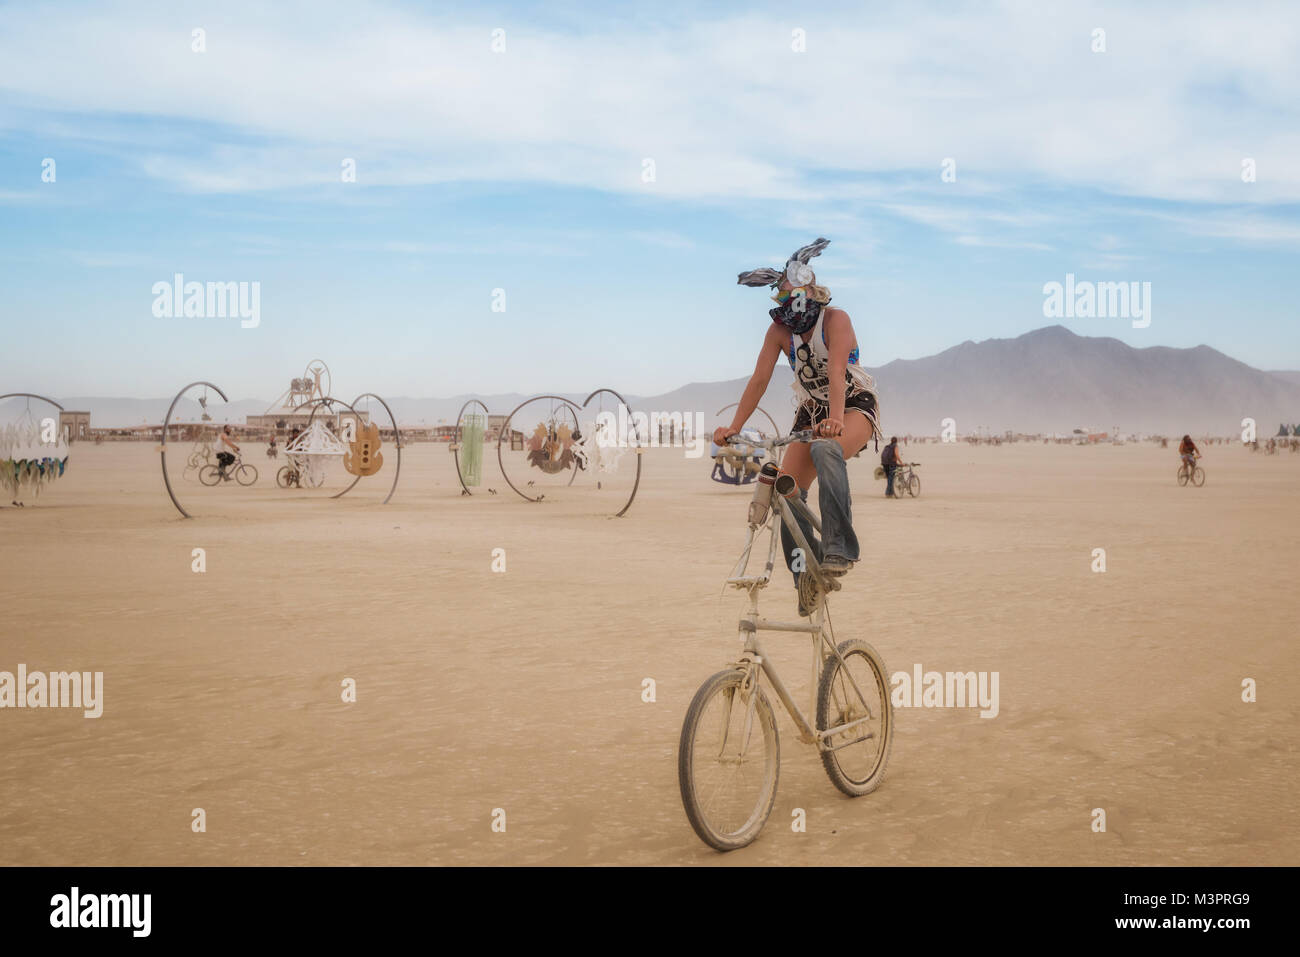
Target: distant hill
<point>1048,380</point>
<point>108,413</point>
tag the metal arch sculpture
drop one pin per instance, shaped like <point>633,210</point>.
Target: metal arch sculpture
<point>329,400</point>
<point>455,452</point>
<point>163,448</point>
<point>505,432</point>
<point>31,395</point>
<point>637,449</point>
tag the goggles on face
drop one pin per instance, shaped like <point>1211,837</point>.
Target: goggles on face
<point>782,295</point>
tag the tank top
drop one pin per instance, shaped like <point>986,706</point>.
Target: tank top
<point>811,362</point>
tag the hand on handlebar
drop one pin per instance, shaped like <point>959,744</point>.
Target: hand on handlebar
<point>829,428</point>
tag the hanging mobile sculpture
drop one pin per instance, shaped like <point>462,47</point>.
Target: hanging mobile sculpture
<point>570,439</point>
<point>31,456</point>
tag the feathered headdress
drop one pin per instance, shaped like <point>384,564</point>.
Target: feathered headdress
<point>796,270</point>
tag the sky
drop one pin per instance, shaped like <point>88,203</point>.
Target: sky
<point>556,198</point>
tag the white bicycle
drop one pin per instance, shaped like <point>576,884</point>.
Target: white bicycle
<point>729,756</point>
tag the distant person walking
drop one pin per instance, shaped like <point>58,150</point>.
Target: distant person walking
<point>889,458</point>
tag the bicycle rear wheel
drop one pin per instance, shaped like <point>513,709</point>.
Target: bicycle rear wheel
<point>1182,475</point>
<point>1198,476</point>
<point>209,475</point>
<point>728,761</point>
<point>856,765</point>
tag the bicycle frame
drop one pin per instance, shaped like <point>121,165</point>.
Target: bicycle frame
<point>818,627</point>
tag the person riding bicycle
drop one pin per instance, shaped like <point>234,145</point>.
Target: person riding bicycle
<point>837,401</point>
<point>1189,452</point>
<point>225,458</point>
<point>891,460</point>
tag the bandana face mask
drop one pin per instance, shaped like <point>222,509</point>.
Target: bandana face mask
<point>796,313</point>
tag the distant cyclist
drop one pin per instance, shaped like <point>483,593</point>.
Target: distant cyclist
<point>225,459</point>
<point>1189,452</point>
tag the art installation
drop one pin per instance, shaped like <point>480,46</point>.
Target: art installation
<point>32,457</point>
<point>162,449</point>
<point>310,453</point>
<point>564,440</point>
<point>467,446</point>
<point>475,427</point>
<point>203,453</point>
<point>325,445</point>
<point>551,447</point>
<point>363,456</point>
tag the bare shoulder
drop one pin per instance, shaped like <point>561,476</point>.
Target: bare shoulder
<point>838,317</point>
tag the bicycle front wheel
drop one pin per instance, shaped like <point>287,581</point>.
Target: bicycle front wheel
<point>246,475</point>
<point>914,485</point>
<point>728,761</point>
<point>857,757</point>
<point>1198,477</point>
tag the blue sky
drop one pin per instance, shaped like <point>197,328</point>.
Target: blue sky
<point>523,170</point>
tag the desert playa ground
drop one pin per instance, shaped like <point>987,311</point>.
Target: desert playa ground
<point>522,690</point>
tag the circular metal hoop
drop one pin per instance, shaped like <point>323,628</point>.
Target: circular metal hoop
<point>30,395</point>
<point>455,452</point>
<point>163,448</point>
<point>637,481</point>
<point>505,431</point>
<point>397,440</point>
<point>329,400</point>
<point>776,430</point>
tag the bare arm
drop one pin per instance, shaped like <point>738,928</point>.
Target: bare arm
<point>773,346</point>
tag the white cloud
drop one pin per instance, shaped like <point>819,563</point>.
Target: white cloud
<point>969,240</point>
<point>725,109</point>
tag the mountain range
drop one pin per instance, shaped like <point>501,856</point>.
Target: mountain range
<point>1048,380</point>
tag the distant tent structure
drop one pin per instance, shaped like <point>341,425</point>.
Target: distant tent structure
<point>1282,432</point>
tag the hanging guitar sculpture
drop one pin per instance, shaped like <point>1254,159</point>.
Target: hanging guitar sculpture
<point>363,456</point>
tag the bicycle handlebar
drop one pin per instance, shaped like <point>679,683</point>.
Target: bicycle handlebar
<point>804,435</point>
